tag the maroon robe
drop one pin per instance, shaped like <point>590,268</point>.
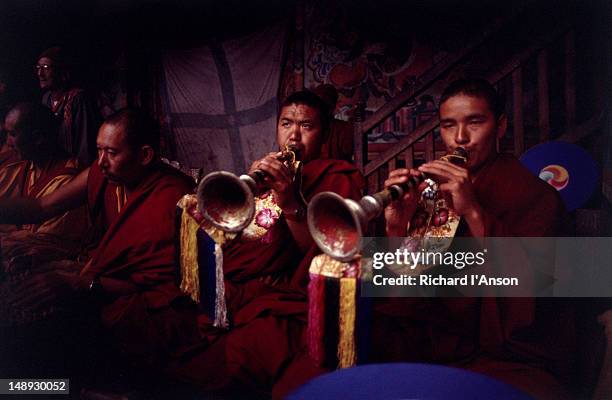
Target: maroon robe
<point>79,123</point>
<point>25,179</point>
<point>526,342</point>
<point>8,157</point>
<point>148,315</point>
<point>339,143</point>
<point>265,347</point>
<point>246,264</point>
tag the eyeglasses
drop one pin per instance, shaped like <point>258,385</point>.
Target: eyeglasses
<point>44,67</point>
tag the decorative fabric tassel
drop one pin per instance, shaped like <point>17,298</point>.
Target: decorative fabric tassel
<point>347,312</point>
<point>316,318</point>
<point>208,274</point>
<point>201,244</point>
<point>332,326</point>
<point>220,304</point>
<point>190,282</point>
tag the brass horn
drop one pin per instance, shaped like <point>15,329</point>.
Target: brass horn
<point>337,224</point>
<point>228,201</point>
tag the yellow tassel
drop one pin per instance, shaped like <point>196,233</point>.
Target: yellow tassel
<point>347,310</point>
<point>190,282</point>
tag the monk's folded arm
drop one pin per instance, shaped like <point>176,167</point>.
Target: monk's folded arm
<point>26,210</point>
<point>68,197</point>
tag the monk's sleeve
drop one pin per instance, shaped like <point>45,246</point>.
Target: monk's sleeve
<point>335,176</point>
<point>516,203</point>
<point>542,217</point>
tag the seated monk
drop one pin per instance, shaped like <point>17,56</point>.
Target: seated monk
<point>39,168</point>
<point>525,342</point>
<point>7,155</point>
<point>130,275</point>
<point>266,267</point>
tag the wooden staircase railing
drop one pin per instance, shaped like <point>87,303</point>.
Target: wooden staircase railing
<point>402,152</point>
<point>423,83</point>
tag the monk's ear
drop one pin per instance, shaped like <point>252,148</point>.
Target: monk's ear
<point>502,126</point>
<point>146,155</point>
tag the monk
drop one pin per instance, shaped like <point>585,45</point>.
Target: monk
<point>7,154</point>
<point>78,114</point>
<point>521,341</point>
<point>266,268</point>
<point>40,165</point>
<point>131,196</point>
<point>40,168</point>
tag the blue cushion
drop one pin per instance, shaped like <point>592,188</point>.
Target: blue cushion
<point>406,381</point>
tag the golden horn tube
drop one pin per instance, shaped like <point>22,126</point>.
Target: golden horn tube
<point>337,224</point>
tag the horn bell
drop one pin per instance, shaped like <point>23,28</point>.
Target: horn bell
<point>226,201</point>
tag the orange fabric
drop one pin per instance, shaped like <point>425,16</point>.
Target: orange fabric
<point>24,179</point>
<point>7,157</point>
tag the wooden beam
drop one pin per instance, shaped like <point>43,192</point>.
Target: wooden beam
<point>543,99</point>
<point>408,157</point>
<point>404,143</point>
<point>430,151</point>
<point>392,164</point>
<point>577,133</point>
<point>372,183</point>
<point>518,131</point>
<point>383,173</point>
<point>588,222</point>
<point>606,184</point>
<point>520,58</point>
<point>359,147</point>
<point>570,80</point>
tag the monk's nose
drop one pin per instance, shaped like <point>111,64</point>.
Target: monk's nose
<point>102,160</point>
<point>462,136</point>
<point>296,134</point>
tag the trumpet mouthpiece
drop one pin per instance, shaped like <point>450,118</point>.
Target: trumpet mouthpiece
<point>459,156</point>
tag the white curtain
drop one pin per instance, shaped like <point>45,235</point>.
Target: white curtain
<point>221,99</point>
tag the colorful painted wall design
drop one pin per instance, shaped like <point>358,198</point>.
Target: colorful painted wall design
<point>367,69</point>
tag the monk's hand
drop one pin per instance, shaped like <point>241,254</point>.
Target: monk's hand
<point>278,178</point>
<point>455,184</point>
<point>399,212</point>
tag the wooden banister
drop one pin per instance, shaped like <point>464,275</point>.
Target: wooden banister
<point>419,133</point>
<point>428,78</point>
<point>400,146</point>
<point>543,96</point>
